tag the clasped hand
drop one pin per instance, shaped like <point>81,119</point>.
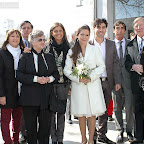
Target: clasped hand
<point>85,80</point>
<point>138,68</point>
<point>43,80</point>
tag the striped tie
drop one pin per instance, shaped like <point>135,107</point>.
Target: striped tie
<point>141,46</point>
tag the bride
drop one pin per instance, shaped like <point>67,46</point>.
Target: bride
<point>87,100</point>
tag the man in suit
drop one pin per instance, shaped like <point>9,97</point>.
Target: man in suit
<point>124,95</point>
<point>133,65</point>
<point>111,76</point>
<point>25,28</point>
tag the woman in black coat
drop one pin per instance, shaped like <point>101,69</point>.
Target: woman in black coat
<point>58,46</point>
<point>9,96</point>
<point>36,72</point>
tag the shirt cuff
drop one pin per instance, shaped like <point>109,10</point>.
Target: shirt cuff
<point>35,79</point>
<point>51,79</point>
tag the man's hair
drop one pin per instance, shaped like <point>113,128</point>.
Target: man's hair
<point>117,23</point>
<point>99,21</point>
<point>24,22</point>
<point>137,19</point>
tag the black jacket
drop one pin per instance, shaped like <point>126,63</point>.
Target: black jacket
<point>8,82</point>
<point>32,92</point>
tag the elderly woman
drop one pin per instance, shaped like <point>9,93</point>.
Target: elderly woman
<point>58,46</point>
<point>36,72</point>
<point>9,96</point>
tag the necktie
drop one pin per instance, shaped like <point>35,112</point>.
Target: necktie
<point>141,46</point>
<point>121,52</point>
<point>26,44</point>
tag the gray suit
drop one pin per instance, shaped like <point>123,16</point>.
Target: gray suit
<point>113,78</point>
<point>128,99</point>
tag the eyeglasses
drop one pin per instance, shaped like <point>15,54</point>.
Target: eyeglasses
<point>40,40</point>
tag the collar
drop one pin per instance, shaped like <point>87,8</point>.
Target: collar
<point>10,48</point>
<point>139,39</point>
<point>117,41</point>
<point>95,42</point>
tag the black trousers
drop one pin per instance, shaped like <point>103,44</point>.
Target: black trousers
<point>37,124</point>
<point>139,115</point>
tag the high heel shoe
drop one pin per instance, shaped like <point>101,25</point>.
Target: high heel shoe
<point>84,142</point>
<point>92,142</point>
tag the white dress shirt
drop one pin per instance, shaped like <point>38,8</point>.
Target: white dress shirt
<point>36,67</point>
<point>139,41</point>
<point>117,43</point>
<point>102,49</point>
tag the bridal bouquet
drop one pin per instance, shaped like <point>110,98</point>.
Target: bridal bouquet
<point>82,70</point>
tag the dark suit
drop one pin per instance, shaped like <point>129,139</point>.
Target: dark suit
<point>133,57</point>
<point>128,99</point>
<point>113,78</point>
<point>35,98</point>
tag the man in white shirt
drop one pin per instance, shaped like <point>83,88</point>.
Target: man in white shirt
<point>110,79</point>
<point>124,96</point>
<point>133,65</point>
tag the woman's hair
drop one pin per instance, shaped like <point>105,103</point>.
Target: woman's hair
<point>8,34</point>
<point>76,49</point>
<point>35,34</point>
<point>53,27</point>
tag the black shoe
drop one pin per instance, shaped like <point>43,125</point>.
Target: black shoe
<point>95,141</point>
<point>105,140</point>
<point>110,118</point>
<point>69,122</point>
<point>130,136</point>
<point>54,142</point>
<point>75,117</point>
<point>120,137</point>
<point>23,139</point>
<point>60,142</point>
<point>136,142</point>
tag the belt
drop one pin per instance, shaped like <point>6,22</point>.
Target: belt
<point>103,78</point>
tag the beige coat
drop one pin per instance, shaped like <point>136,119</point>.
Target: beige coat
<point>87,100</point>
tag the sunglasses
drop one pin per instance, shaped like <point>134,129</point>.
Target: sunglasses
<point>40,40</point>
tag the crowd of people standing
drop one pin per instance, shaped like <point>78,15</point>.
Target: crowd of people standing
<point>36,78</point>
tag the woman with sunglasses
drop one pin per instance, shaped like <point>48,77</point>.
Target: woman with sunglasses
<point>9,90</point>
<point>58,46</point>
<point>36,72</point>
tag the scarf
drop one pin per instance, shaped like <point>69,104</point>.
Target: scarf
<point>15,53</point>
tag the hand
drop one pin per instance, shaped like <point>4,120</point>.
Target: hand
<point>42,80</point>
<point>85,80</point>
<point>138,68</point>
<point>47,79</point>
<point>69,92</point>
<point>3,100</point>
<point>117,87</point>
<point>27,50</point>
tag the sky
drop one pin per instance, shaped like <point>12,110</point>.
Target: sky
<point>43,13</point>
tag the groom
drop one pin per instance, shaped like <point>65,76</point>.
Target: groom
<point>110,79</point>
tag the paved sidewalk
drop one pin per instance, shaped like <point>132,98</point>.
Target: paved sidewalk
<point>72,133</point>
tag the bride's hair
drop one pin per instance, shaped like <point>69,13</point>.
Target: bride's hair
<point>76,49</point>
